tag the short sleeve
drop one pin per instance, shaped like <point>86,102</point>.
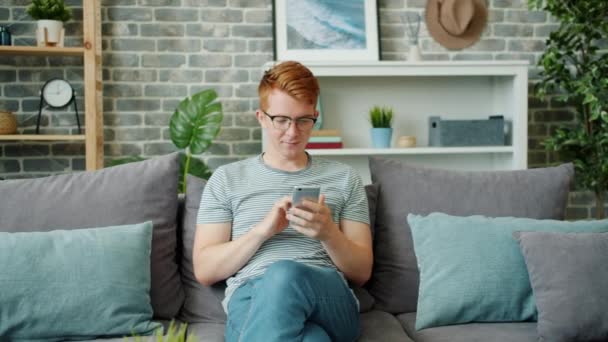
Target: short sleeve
<point>355,207</point>
<point>215,206</point>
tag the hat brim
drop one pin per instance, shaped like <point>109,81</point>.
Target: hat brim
<point>467,38</point>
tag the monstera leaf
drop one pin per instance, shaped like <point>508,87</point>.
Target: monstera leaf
<point>196,121</point>
<point>193,126</point>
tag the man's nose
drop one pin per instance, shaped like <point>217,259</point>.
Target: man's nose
<point>293,128</point>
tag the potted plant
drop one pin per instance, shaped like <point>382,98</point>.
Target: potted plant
<point>193,126</point>
<point>381,119</point>
<point>574,68</point>
<point>50,16</point>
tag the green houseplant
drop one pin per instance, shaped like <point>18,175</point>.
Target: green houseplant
<point>193,126</point>
<point>49,10</point>
<point>50,16</point>
<point>381,119</point>
<point>574,68</point>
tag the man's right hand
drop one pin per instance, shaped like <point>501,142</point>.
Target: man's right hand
<point>276,220</point>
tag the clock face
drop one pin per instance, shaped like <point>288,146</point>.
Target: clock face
<point>57,93</point>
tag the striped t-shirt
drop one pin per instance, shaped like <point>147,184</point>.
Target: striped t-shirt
<point>244,192</point>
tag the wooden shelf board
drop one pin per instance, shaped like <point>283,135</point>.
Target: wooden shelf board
<point>42,137</point>
<point>413,150</point>
<point>41,51</point>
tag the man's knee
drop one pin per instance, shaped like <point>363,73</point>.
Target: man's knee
<point>284,274</point>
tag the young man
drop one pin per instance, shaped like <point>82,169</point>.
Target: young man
<point>287,267</point>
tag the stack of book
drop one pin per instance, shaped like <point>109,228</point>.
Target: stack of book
<point>324,138</point>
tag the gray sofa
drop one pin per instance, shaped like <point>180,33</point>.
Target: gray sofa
<point>147,190</point>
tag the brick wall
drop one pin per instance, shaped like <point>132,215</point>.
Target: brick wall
<point>156,52</point>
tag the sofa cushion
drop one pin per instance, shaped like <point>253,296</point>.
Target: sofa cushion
<point>371,190</point>
<point>473,332</point>
<point>376,326</point>
<point>380,326</point>
<point>84,283</point>
<point>569,276</point>
<point>207,332</point>
<point>472,270</point>
<point>203,303</point>
<point>535,193</point>
<point>125,194</point>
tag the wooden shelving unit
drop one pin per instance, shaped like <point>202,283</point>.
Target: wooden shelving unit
<point>40,51</point>
<point>93,97</point>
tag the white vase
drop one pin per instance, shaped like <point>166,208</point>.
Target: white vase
<point>53,31</point>
<point>414,53</point>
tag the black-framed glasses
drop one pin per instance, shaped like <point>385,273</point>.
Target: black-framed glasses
<point>282,122</point>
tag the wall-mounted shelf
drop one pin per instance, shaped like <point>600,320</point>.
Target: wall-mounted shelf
<point>42,137</point>
<point>41,51</point>
<point>453,90</point>
<point>410,151</point>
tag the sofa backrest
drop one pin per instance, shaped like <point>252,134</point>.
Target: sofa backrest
<point>125,194</point>
<point>404,189</point>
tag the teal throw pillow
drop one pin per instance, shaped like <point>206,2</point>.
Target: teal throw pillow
<point>75,284</point>
<point>472,270</point>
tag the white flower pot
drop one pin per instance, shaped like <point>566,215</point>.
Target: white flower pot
<point>54,32</point>
<point>414,53</point>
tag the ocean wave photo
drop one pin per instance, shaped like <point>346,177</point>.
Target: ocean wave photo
<point>325,24</point>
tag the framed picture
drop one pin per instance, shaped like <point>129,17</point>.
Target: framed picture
<point>326,30</point>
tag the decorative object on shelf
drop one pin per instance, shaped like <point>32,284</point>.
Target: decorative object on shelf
<point>193,126</point>
<point>8,123</point>
<point>324,138</point>
<point>381,119</point>
<point>413,30</point>
<point>309,30</point>
<point>319,122</point>
<point>406,141</point>
<point>574,68</point>
<point>488,132</point>
<point>456,24</point>
<point>57,93</point>
<point>5,36</point>
<point>50,16</point>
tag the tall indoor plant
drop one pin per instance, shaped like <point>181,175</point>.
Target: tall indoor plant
<point>575,69</point>
<point>193,126</point>
<point>50,16</point>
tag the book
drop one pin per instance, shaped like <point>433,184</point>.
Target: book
<point>323,139</point>
<point>323,145</point>
<point>325,133</point>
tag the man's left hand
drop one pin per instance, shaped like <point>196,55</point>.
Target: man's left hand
<point>313,219</point>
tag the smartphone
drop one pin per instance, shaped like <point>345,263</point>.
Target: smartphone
<point>300,193</point>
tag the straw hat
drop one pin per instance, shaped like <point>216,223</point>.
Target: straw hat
<point>456,24</point>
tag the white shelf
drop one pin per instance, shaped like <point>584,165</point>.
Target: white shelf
<point>410,151</point>
<point>452,90</point>
<point>429,68</point>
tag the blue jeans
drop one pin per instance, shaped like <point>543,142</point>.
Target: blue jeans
<point>293,302</point>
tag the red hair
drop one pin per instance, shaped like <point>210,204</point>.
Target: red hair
<point>291,77</point>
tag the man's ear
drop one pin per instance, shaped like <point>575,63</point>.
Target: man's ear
<point>260,116</point>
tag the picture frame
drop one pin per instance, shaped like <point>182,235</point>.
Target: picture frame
<point>326,30</point>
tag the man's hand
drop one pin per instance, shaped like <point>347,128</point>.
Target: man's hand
<point>313,219</point>
<point>276,220</point>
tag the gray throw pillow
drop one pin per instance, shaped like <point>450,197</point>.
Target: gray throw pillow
<point>569,277</point>
<point>404,189</point>
<point>203,304</point>
<point>120,195</point>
